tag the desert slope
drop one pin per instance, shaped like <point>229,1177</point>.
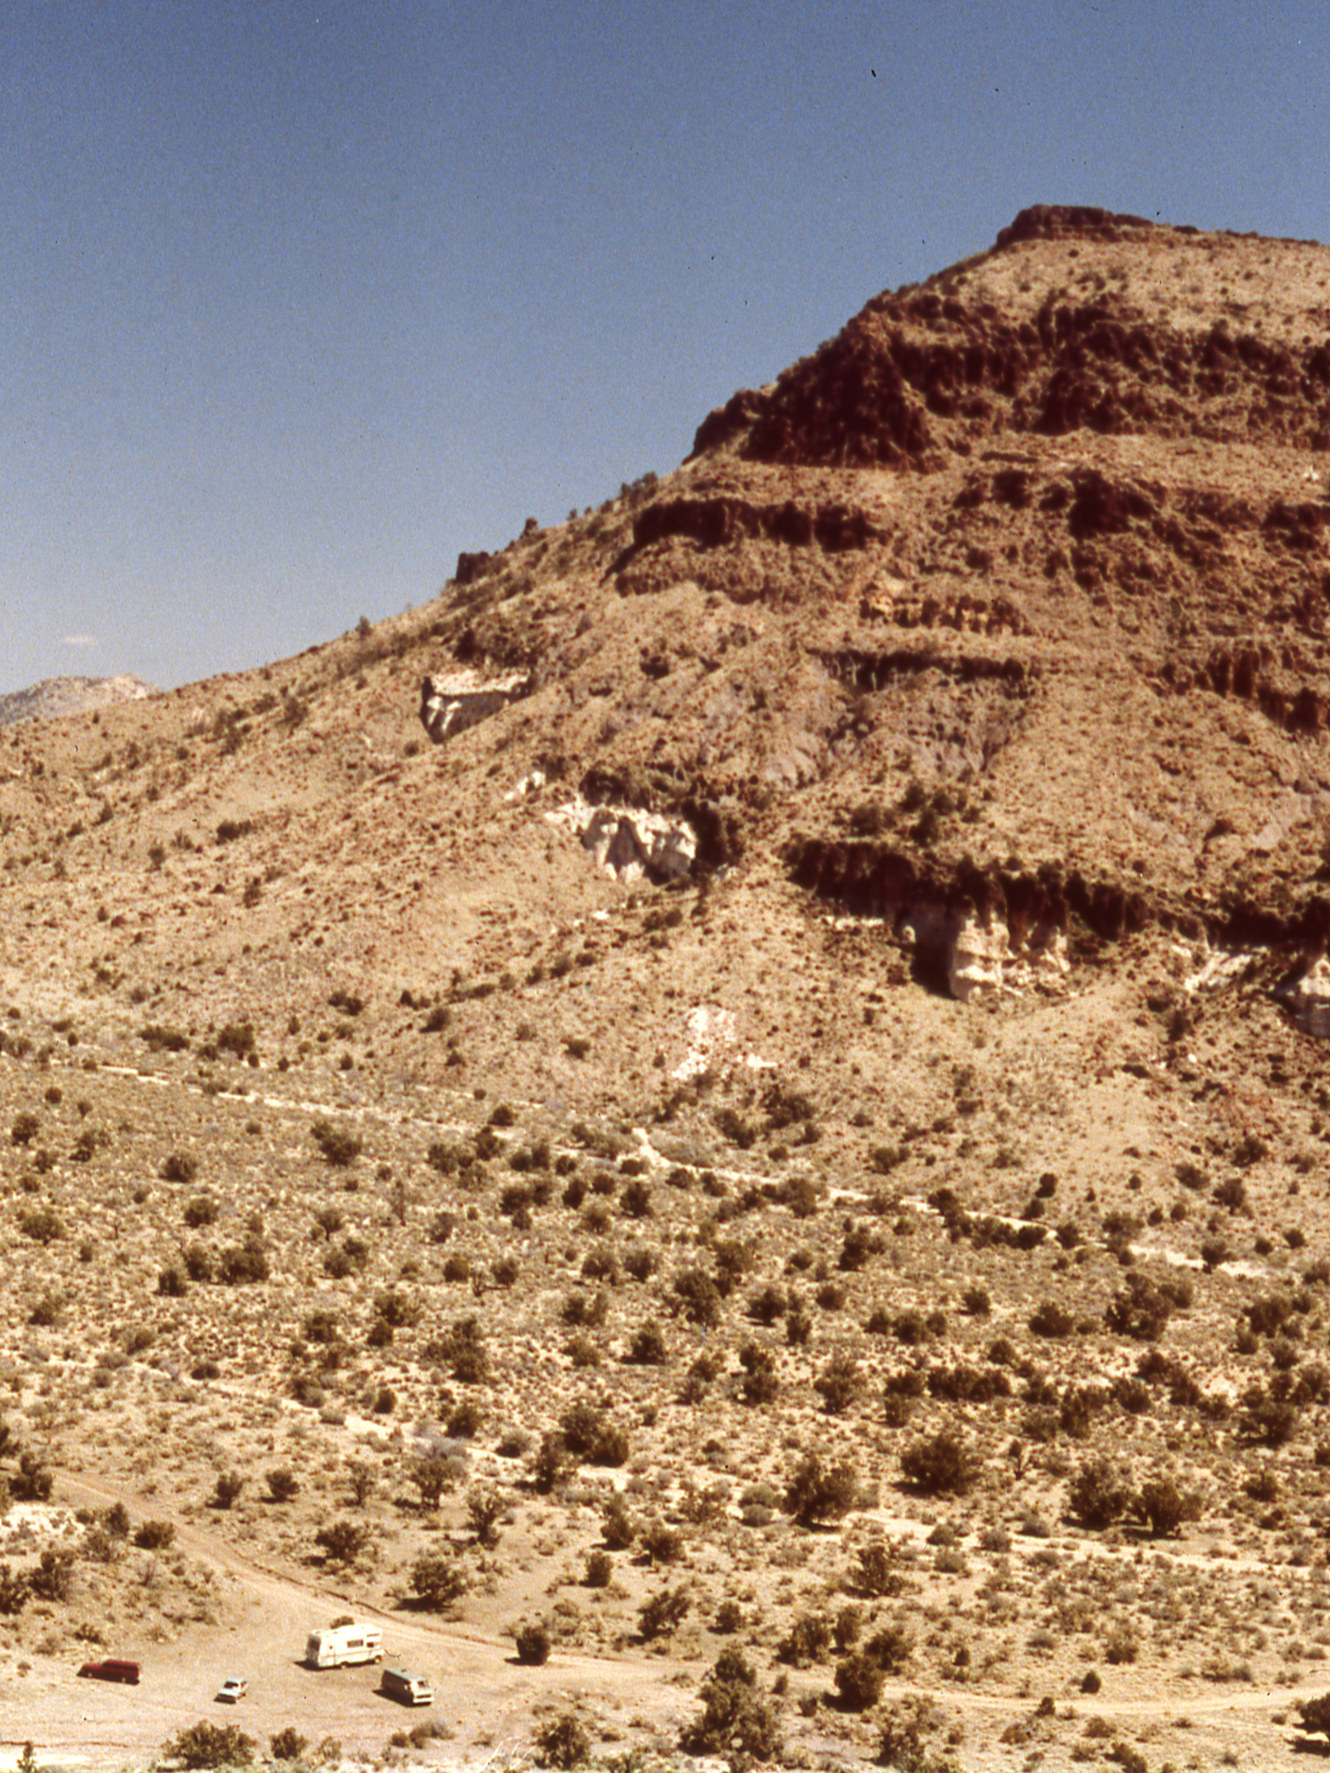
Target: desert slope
<point>851,975</point>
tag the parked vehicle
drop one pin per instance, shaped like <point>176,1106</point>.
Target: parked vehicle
<point>112,1669</point>
<point>340,1645</point>
<point>231,1690</point>
<point>411,1689</point>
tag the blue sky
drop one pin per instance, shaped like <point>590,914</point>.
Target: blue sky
<point>298,300</point>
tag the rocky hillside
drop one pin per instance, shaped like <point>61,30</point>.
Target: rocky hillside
<point>849,976</point>
<point>55,697</point>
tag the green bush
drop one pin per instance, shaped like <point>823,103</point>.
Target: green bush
<point>211,1745</point>
<point>339,1148</point>
<point>819,1492</point>
<point>533,1645</point>
<point>562,1743</point>
<point>343,1541</point>
<point>663,1613</point>
<point>737,1718</point>
<point>438,1579</point>
<point>1098,1495</point>
<point>939,1463</point>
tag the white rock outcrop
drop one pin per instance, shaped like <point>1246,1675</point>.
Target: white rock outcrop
<point>1308,998</point>
<point>977,956</point>
<point>629,843</point>
<point>449,705</point>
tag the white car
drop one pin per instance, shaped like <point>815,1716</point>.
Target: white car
<point>230,1691</point>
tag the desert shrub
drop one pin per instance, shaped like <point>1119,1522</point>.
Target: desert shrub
<point>438,1579</point>
<point>553,1463</point>
<point>641,1262</point>
<point>1098,1495</point>
<point>562,1743</point>
<point>210,1745</point>
<point>581,1350</point>
<point>600,1263</point>
<point>227,1490</point>
<point>591,1435</point>
<point>25,1128</point>
<point>1268,1315</point>
<point>939,1463</point>
<point>462,1346</point>
<point>599,1569</point>
<point>200,1211</point>
<point>506,1271</point>
<point>154,1535</point>
<point>877,1570</point>
<point>168,1040</point>
<point>283,1485</point>
<point>53,1579</point>
<point>236,1038</point>
<point>970,1385</point>
<point>662,1544</point>
<point>768,1304</point>
<point>663,1613</point>
<point>287,1744</point>
<point>1121,1646</point>
<point>856,1248</point>
<point>339,1148</point>
<point>246,1264</point>
<point>635,1201</point>
<point>647,1348</point>
<point>840,1384</point>
<point>1140,1310</point>
<point>1267,1416</point>
<point>14,1591</point>
<point>808,1640</point>
<point>699,1297</point>
<point>1165,1507</point>
<point>42,1224</point>
<point>859,1679</point>
<point>1314,1715</point>
<point>465,1420</point>
<point>1052,1319</point>
<point>484,1510</point>
<point>49,1309</point>
<point>819,1492</point>
<point>342,1541</point>
<point>434,1473</point>
<point>533,1645</point>
<point>737,1718</point>
<point>179,1166</point>
<point>172,1282</point>
<point>33,1481</point>
<point>760,1384</point>
<point>618,1529</point>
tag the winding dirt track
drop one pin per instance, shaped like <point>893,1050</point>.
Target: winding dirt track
<point>483,1697</point>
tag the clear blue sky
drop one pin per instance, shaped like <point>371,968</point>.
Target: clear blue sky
<point>300,299</point>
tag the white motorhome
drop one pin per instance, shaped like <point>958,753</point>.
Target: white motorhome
<point>411,1689</point>
<point>340,1645</point>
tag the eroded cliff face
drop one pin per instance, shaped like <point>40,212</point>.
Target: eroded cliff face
<point>1001,619</point>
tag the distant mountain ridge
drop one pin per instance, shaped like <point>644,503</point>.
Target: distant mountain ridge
<point>55,697</point>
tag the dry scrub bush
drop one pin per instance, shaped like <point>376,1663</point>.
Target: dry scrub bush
<point>737,1718</point>
<point>438,1579</point>
<point>819,1492</point>
<point>939,1463</point>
